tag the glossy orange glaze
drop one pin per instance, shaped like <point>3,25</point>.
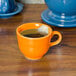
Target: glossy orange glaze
<point>35,48</point>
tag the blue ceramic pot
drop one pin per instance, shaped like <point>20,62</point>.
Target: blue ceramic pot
<point>60,13</point>
<point>7,6</point>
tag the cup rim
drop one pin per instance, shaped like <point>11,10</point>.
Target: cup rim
<point>49,34</point>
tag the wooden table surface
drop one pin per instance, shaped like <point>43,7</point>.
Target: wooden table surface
<point>59,61</point>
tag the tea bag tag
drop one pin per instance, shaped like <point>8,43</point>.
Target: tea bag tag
<point>43,29</point>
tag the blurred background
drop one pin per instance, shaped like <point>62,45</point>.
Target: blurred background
<point>32,1</point>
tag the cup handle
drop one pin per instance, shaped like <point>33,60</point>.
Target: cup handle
<point>58,40</point>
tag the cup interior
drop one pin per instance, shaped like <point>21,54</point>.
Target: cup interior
<point>41,28</point>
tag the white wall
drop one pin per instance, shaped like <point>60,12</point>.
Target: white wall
<point>33,1</point>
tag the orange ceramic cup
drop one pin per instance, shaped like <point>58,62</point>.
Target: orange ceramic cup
<point>35,48</point>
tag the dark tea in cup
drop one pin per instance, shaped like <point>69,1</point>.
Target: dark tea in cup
<point>33,33</point>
